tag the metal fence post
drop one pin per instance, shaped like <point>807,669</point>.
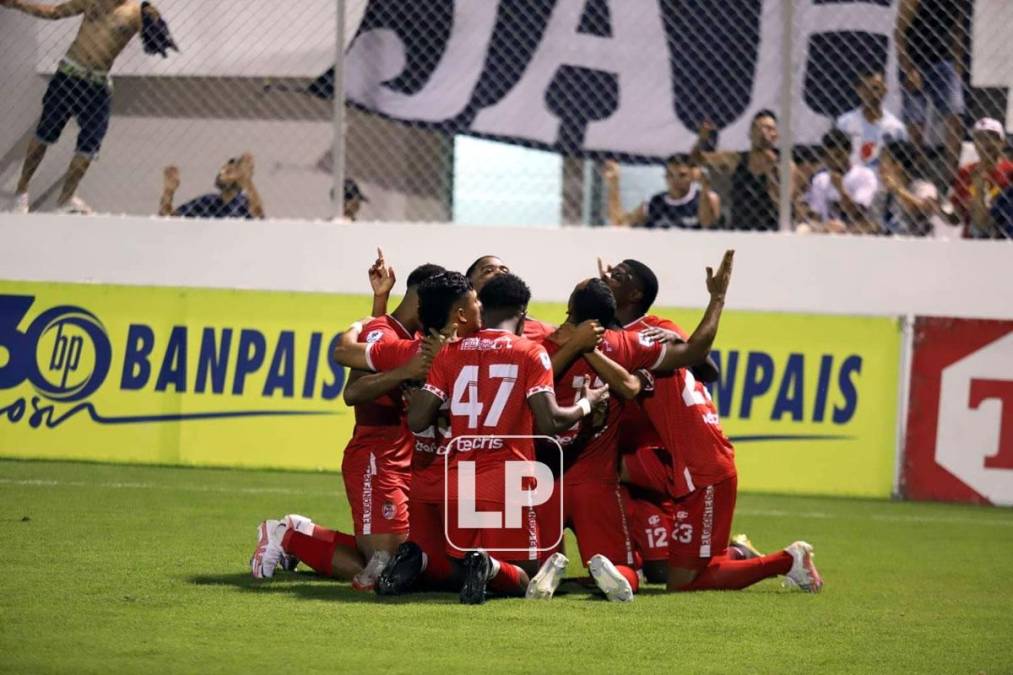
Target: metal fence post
<point>338,144</point>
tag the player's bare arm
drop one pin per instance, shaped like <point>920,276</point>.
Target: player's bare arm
<point>423,409</point>
<point>636,217</point>
<point>699,344</point>
<point>364,387</point>
<point>705,371</point>
<point>617,378</point>
<point>551,418</point>
<point>574,341</point>
<point>349,352</point>
<point>51,12</point>
<point>170,183</point>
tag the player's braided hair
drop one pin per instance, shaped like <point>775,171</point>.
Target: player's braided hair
<point>423,272</point>
<point>647,281</point>
<point>437,295</point>
<point>594,301</point>
<point>506,291</point>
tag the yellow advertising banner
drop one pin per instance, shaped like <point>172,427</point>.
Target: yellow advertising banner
<point>243,378</point>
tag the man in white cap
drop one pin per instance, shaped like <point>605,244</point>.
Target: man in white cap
<point>978,184</point>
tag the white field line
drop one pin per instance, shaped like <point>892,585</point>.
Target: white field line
<point>222,489</point>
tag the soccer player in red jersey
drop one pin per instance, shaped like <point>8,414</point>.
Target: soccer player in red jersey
<point>375,465</point>
<point>593,500</point>
<point>499,386</point>
<point>488,267</point>
<point>681,411</point>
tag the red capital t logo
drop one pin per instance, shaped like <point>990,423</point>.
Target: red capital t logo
<point>984,390</point>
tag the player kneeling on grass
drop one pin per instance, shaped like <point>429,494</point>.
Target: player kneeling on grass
<point>704,481</point>
<point>499,385</point>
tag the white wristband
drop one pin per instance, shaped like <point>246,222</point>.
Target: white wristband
<point>357,327</point>
<point>585,406</point>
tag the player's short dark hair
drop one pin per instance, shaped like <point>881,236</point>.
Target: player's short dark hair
<point>647,281</point>
<point>765,112</point>
<point>505,291</point>
<point>475,265</point>
<point>680,159</point>
<point>594,301</point>
<point>835,139</point>
<point>437,295</point>
<point>423,272</point>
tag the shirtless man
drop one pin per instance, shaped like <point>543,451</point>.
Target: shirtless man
<point>81,87</point>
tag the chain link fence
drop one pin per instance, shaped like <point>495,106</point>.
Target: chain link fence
<point>846,116</point>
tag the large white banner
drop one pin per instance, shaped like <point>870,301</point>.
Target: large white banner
<point>630,77</point>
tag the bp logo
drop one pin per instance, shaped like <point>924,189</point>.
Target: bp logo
<point>64,353</point>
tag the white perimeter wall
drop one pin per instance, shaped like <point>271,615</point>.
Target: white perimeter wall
<point>773,272</point>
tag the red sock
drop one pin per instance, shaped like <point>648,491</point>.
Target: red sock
<point>631,576</point>
<point>316,551</point>
<point>508,580</point>
<point>723,573</point>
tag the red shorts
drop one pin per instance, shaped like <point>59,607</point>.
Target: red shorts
<point>651,520</point>
<point>511,544</point>
<point>377,492</point>
<point>649,468</point>
<point>596,514</point>
<point>703,524</point>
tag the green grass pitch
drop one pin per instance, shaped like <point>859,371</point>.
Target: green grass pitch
<point>126,569</point>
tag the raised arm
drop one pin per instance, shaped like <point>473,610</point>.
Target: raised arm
<point>698,347</point>
<point>51,12</point>
<point>551,418</point>
<point>170,183</point>
<point>382,279</point>
<point>616,215</point>
<point>246,183</point>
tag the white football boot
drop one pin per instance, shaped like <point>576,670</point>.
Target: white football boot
<point>268,553</point>
<point>366,579</point>
<point>803,573</point>
<point>302,524</point>
<point>21,203</point>
<point>613,584</point>
<point>544,584</point>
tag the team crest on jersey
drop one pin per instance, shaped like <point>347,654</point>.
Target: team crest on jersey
<point>682,515</point>
<point>654,520</point>
<point>374,335</point>
<point>644,339</point>
<point>389,510</point>
<point>546,361</point>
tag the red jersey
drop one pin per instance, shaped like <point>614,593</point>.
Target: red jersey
<point>379,424</point>
<point>683,414</point>
<point>487,379</point>
<point>536,330</point>
<point>963,188</point>
<point>598,460</point>
<point>428,445</point>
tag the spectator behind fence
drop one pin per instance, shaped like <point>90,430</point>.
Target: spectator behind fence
<point>869,126</point>
<point>755,182</point>
<point>81,88</point>
<point>978,184</point>
<point>841,194</point>
<point>237,196</point>
<point>930,38</point>
<point>352,203</point>
<point>908,203</point>
<point>1002,214</point>
<point>688,203</point>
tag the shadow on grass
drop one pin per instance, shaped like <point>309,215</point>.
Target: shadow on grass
<point>309,586</point>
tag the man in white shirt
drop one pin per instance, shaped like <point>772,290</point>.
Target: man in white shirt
<point>869,126</point>
<point>839,196</point>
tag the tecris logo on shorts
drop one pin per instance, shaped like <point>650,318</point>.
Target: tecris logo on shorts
<point>491,498</point>
<point>66,353</point>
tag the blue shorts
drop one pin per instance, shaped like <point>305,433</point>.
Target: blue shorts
<point>88,102</point>
<point>941,87</point>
